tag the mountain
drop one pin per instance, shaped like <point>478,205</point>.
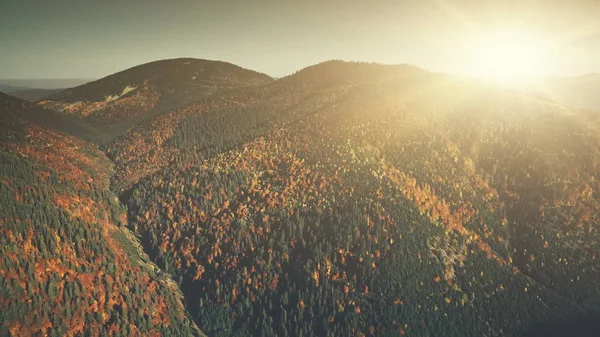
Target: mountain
<point>44,83</point>
<point>34,94</point>
<point>345,199</point>
<point>35,89</point>
<point>336,72</point>
<point>125,99</point>
<point>175,76</point>
<point>7,89</point>
<point>220,119</point>
<point>69,265</point>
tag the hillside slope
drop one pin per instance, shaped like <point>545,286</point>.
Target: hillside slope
<point>369,203</point>
<point>69,266</point>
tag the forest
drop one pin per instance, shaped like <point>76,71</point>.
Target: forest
<point>69,265</point>
<point>347,199</point>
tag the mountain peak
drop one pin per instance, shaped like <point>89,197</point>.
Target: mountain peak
<point>164,76</point>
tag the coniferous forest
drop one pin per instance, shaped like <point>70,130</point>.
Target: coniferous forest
<point>191,197</point>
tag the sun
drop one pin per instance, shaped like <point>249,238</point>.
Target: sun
<point>510,56</point>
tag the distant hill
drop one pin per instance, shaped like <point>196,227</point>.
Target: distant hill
<point>44,83</point>
<point>335,72</point>
<point>7,89</point>
<point>33,90</point>
<point>34,94</point>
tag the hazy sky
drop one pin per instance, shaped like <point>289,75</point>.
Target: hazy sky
<point>92,39</point>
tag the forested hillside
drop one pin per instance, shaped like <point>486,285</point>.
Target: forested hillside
<point>374,202</point>
<point>347,199</point>
<point>69,266</point>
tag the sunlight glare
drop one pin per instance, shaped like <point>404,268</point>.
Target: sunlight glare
<point>510,56</point>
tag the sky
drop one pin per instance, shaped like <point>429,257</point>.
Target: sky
<point>92,39</point>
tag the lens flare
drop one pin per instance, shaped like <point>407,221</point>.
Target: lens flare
<point>511,56</point>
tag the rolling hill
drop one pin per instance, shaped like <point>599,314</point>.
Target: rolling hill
<point>346,199</point>
<point>120,101</point>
